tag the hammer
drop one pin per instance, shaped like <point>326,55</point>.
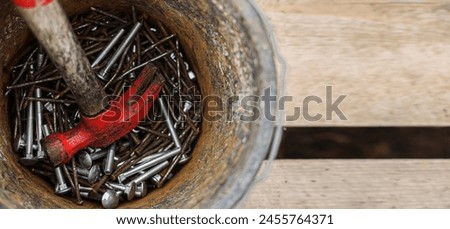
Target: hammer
<point>103,121</point>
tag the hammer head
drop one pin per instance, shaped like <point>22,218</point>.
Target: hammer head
<point>122,116</point>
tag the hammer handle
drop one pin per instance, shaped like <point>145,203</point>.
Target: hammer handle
<point>71,142</point>
<point>51,27</point>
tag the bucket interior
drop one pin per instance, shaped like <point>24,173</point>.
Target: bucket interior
<point>231,55</point>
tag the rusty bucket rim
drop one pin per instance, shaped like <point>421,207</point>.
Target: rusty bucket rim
<point>240,185</point>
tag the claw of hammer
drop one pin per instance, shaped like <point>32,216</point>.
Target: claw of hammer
<point>122,116</point>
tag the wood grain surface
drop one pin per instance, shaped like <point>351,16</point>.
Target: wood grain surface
<point>352,184</point>
<point>391,59</point>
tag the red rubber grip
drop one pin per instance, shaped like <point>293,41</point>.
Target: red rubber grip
<point>31,3</point>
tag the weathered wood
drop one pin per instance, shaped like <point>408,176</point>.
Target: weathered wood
<point>354,184</point>
<point>389,57</point>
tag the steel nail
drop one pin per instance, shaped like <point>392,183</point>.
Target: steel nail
<point>68,176</point>
<point>40,58</point>
<point>119,52</point>
<point>129,189</point>
<point>178,158</point>
<point>169,123</point>
<point>144,64</point>
<point>109,161</point>
<point>85,189</point>
<point>39,121</point>
<point>158,179</point>
<point>151,172</point>
<point>92,175</point>
<point>98,155</point>
<point>84,159</point>
<point>49,107</point>
<point>149,158</point>
<point>141,189</point>
<point>164,157</point>
<point>132,62</point>
<point>108,48</point>
<point>187,106</point>
<point>18,121</point>
<point>110,199</point>
<point>184,159</point>
<point>20,143</point>
<point>119,68</point>
<point>61,187</point>
<point>29,158</point>
<point>88,193</point>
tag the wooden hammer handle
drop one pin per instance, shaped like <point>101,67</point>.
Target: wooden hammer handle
<point>51,27</point>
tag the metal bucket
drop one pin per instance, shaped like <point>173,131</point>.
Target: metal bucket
<point>232,55</point>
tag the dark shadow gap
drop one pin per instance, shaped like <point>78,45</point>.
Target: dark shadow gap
<point>362,143</point>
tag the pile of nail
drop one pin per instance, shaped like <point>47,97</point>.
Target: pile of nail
<point>118,45</point>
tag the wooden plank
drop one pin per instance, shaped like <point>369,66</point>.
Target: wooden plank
<point>390,57</point>
<point>357,184</point>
